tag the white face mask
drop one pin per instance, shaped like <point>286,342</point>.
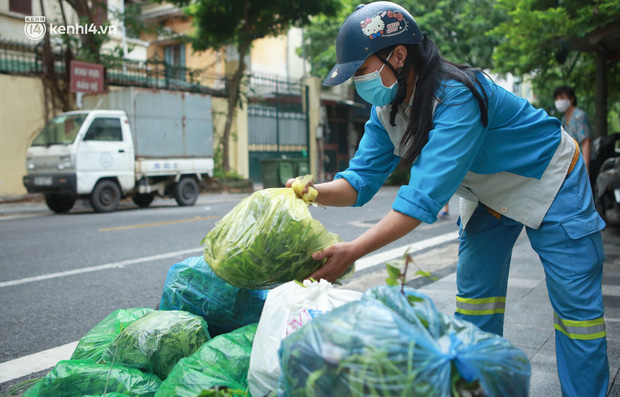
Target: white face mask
<point>562,105</point>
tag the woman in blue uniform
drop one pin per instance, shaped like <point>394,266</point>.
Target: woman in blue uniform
<point>512,165</point>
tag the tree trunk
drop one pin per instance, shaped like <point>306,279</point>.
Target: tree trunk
<point>233,100</point>
<point>601,95</point>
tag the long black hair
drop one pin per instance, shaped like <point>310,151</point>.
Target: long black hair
<point>431,69</point>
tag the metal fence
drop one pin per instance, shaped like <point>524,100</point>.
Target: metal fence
<point>160,75</point>
<point>19,58</point>
<point>24,59</point>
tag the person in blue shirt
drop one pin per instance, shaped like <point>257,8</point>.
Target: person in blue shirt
<point>512,165</point>
<point>575,120</point>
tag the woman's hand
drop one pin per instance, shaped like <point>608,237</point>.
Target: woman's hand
<point>340,257</point>
<point>310,184</point>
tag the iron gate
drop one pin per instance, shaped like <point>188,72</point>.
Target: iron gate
<point>277,122</point>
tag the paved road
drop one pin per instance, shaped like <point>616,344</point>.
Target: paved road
<point>61,274</point>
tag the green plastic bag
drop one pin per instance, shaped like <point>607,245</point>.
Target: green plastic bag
<point>218,368</point>
<point>85,377</point>
<point>266,240</point>
<point>157,341</point>
<point>96,341</point>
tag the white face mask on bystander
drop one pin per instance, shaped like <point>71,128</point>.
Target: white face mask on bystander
<point>562,105</point>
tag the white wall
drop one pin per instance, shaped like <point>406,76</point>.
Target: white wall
<point>296,64</point>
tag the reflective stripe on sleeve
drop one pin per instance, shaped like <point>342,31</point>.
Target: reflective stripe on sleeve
<point>584,330</point>
<point>480,306</point>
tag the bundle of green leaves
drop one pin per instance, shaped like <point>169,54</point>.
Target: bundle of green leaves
<point>219,367</point>
<point>388,345</point>
<point>85,377</point>
<point>266,240</point>
<point>96,341</point>
<point>157,341</point>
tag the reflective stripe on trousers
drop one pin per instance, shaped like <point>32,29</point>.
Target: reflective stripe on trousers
<point>584,330</point>
<point>480,306</point>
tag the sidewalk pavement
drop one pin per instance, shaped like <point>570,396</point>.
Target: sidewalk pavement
<point>529,316</point>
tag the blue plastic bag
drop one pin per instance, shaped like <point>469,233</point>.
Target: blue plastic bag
<point>192,286</point>
<point>382,345</point>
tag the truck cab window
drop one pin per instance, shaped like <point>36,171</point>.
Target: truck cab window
<point>105,129</point>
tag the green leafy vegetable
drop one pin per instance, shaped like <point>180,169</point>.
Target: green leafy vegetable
<point>399,277</point>
<point>157,341</point>
<point>389,345</point>
<point>266,240</point>
<point>219,368</point>
<point>96,341</point>
<point>85,377</point>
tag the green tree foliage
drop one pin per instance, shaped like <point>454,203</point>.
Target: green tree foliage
<point>458,27</point>
<point>538,38</point>
<point>320,38</point>
<point>238,23</point>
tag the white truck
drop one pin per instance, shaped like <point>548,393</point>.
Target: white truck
<point>152,143</point>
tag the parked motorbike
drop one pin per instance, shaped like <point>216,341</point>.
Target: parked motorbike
<point>607,178</point>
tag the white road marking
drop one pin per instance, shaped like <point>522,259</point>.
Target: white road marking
<point>21,216</point>
<point>381,257</point>
<point>115,265</point>
<point>36,362</point>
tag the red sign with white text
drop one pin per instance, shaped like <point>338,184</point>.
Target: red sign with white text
<point>86,77</point>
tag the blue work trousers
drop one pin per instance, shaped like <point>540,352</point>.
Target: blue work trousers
<point>570,248</point>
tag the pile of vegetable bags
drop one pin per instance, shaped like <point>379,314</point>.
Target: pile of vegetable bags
<point>136,352</point>
<point>268,239</point>
<point>383,345</point>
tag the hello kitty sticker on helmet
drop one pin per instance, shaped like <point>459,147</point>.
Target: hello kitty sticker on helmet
<point>384,24</point>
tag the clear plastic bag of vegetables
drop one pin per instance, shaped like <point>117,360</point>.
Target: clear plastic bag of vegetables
<point>157,341</point>
<point>219,366</point>
<point>85,378</point>
<point>192,286</point>
<point>382,345</point>
<point>96,341</point>
<point>268,239</point>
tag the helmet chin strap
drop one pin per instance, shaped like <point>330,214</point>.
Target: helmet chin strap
<point>389,65</point>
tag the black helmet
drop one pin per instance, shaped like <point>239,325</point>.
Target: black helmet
<point>368,29</point>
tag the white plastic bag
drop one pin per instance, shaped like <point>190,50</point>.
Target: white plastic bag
<point>287,308</point>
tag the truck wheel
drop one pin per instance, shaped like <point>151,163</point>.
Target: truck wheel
<point>105,196</point>
<point>143,200</point>
<point>186,192</point>
<point>59,203</point>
